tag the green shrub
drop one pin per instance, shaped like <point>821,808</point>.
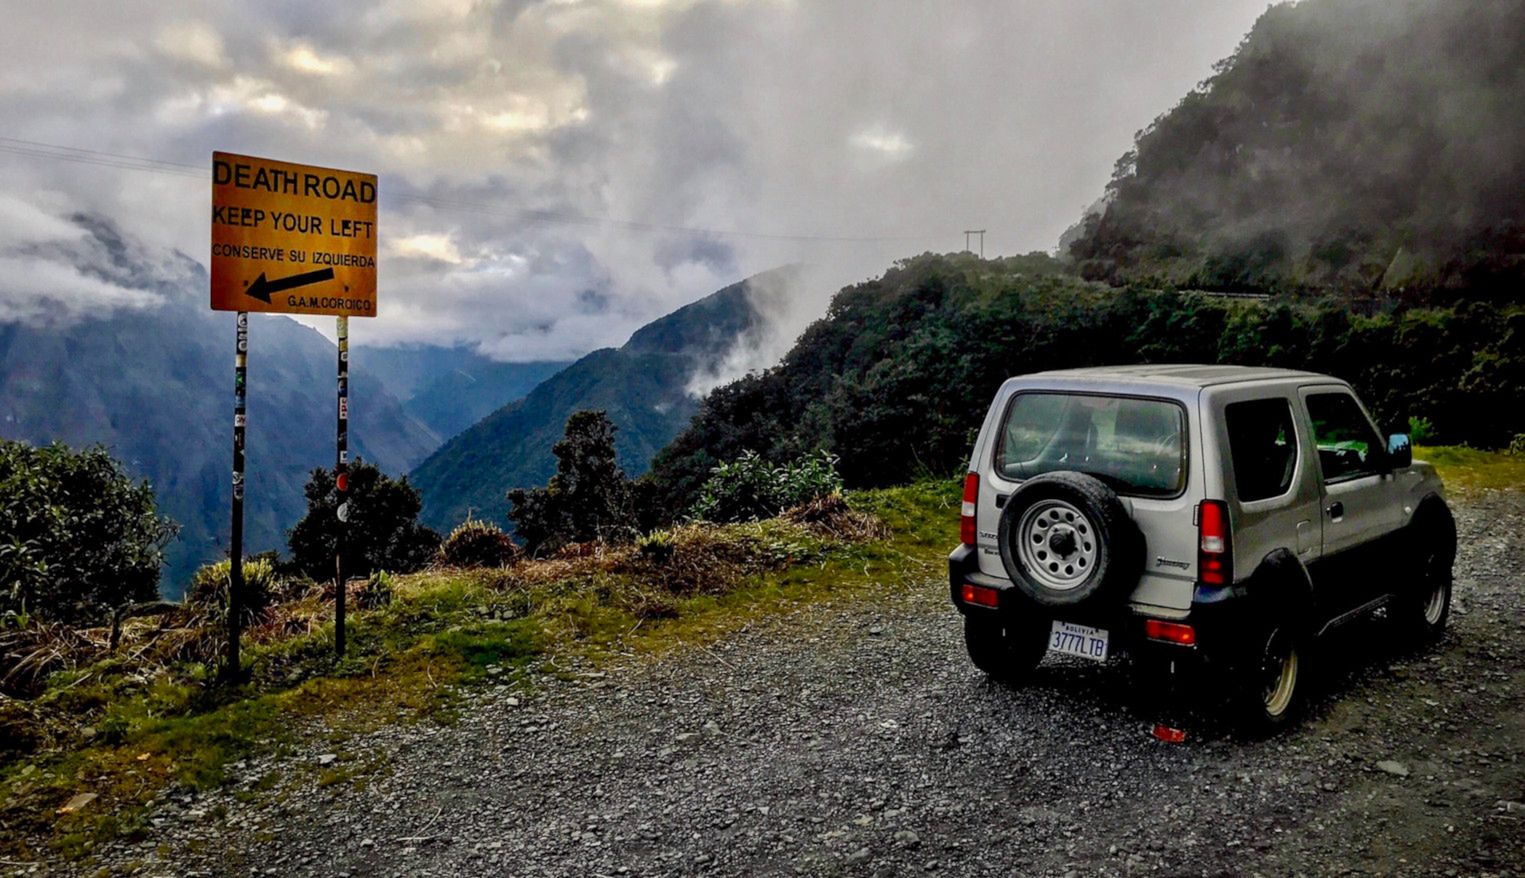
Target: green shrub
<point>209,588</point>
<point>78,537</point>
<point>751,488</point>
<point>477,544</point>
<point>378,591</point>
<point>1421,431</point>
<point>383,532</point>
<point>589,499</point>
<point>657,547</point>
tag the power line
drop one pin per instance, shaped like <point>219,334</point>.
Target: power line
<point>35,149</point>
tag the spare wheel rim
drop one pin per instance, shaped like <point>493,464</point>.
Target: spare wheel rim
<point>1057,544</point>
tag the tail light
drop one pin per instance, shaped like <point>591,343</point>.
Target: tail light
<point>1170,632</point>
<point>980,596</point>
<point>966,531</point>
<point>1215,544</point>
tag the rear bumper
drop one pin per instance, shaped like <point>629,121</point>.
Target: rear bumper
<point>1219,627</point>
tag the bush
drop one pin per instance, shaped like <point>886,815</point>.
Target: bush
<point>750,488</point>
<point>657,547</point>
<point>1421,431</point>
<point>378,591</point>
<point>383,530</point>
<point>477,544</point>
<point>589,498</point>
<point>209,589</point>
<point>78,537</point>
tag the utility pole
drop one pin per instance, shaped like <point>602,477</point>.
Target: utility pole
<point>981,233</point>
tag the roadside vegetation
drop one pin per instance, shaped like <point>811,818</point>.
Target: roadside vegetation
<point>1469,469</point>
<point>121,721</point>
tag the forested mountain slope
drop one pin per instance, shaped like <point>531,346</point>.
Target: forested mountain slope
<point>1372,147</point>
<point>643,385</point>
<point>896,378</point>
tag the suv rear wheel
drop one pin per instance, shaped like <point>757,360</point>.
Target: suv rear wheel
<point>1005,652</point>
<point>1273,681</point>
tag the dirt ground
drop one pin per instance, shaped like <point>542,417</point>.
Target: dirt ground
<point>859,741</point>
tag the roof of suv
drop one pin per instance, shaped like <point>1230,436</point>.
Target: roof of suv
<point>1179,375</point>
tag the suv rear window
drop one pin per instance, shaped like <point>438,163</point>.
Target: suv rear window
<point>1134,445</point>
<point>1263,444</point>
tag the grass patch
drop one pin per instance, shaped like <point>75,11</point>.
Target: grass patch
<point>1466,468</point>
<point>152,727</point>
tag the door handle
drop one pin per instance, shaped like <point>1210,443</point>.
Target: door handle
<point>1336,509</point>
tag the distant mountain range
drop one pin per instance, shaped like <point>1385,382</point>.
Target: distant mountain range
<point>450,388</point>
<point>644,386</point>
<point>152,381</point>
<point>155,386</point>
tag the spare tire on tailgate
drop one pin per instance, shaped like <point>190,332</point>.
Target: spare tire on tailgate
<point>1066,539</point>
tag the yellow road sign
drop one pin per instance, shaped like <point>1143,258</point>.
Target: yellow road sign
<point>292,239</point>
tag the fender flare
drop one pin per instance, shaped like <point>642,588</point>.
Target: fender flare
<point>1430,505</point>
<point>1281,584</point>
<point>1431,511</point>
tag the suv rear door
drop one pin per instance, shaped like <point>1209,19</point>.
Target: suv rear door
<point>1271,478</point>
<point>1357,502</point>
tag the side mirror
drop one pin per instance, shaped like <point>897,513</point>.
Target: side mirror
<point>1400,452</point>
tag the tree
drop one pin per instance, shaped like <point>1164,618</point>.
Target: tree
<point>383,529</point>
<point>589,498</point>
<point>78,537</point>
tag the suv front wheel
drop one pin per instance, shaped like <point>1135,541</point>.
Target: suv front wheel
<point>1005,652</point>
<point>1422,607</point>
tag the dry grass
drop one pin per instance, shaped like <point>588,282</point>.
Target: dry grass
<point>29,655</point>
<point>831,518</point>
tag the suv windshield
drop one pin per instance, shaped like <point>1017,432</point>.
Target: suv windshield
<point>1134,445</point>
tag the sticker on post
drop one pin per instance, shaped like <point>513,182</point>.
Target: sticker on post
<point>1081,640</point>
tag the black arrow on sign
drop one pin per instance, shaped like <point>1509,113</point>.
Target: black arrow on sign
<point>261,288</point>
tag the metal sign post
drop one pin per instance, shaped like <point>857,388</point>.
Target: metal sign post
<point>231,670</point>
<point>341,483</point>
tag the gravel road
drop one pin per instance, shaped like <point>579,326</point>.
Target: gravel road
<point>859,741</point>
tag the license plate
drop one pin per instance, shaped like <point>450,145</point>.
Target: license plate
<point>1081,640</point>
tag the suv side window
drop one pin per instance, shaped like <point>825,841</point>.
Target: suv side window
<point>1346,443</point>
<point>1263,444</point>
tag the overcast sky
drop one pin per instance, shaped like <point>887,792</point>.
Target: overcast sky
<point>569,148</point>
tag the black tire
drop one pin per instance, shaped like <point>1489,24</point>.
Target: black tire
<point>1093,557</point>
<point>1008,653</point>
<point>1273,678</point>
<point>1420,611</point>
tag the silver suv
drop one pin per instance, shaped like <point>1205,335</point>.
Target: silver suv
<point>1193,517</point>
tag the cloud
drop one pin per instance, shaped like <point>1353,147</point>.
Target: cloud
<point>890,144</point>
<point>56,271</point>
<point>534,151</point>
<point>786,301</point>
